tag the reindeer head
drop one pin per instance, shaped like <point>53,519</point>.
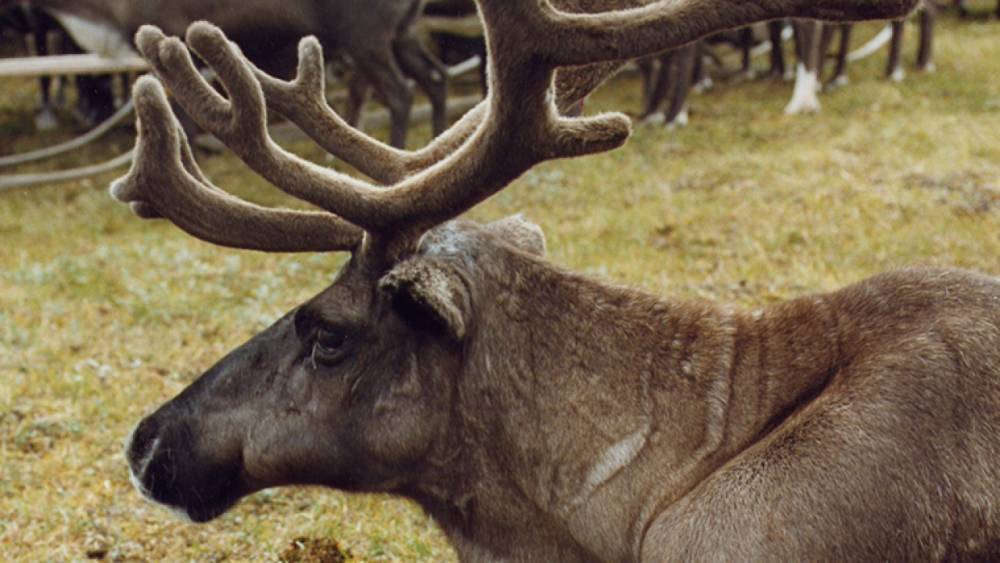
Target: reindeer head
<point>354,388</point>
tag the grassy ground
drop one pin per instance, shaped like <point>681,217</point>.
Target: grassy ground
<point>103,317</point>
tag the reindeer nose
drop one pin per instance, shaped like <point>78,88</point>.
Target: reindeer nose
<point>141,443</point>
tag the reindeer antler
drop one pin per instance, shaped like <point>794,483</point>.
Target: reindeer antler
<point>517,127</point>
<point>165,181</point>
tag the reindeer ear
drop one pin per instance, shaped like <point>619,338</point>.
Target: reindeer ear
<point>428,291</point>
<point>518,231</point>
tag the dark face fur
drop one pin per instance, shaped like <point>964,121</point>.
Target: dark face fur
<point>351,390</point>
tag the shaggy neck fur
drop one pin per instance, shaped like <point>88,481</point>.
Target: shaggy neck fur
<point>625,435</point>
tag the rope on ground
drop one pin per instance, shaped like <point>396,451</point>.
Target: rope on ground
<point>73,144</point>
<point>27,180</point>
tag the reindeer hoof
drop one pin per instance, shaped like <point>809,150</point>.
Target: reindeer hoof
<point>46,120</point>
<point>654,119</point>
<point>679,121</point>
<point>838,82</point>
<point>897,75</point>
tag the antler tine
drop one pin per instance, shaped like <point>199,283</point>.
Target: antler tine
<point>303,101</point>
<point>166,182</point>
<point>567,39</point>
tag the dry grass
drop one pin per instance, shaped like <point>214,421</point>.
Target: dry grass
<point>102,317</point>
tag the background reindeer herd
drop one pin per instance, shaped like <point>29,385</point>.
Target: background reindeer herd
<point>103,317</point>
<point>389,49</point>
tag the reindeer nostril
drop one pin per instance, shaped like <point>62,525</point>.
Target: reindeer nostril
<point>143,437</point>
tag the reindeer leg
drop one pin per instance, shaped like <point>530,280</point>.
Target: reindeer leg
<point>45,119</point>
<point>894,71</point>
<point>746,44</point>
<point>805,97</point>
<point>647,70</point>
<point>378,66</point>
<point>430,75</point>
<point>677,113</point>
<point>661,87</point>
<point>774,30</point>
<point>840,71</point>
<point>825,39</point>
<point>925,54</point>
<point>358,91</point>
<point>702,81</point>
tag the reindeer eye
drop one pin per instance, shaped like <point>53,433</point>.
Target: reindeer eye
<point>328,347</point>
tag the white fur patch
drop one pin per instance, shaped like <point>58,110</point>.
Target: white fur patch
<point>446,239</point>
<point>94,37</point>
<point>805,97</point>
<point>615,458</point>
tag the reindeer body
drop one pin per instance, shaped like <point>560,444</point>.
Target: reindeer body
<point>621,426</point>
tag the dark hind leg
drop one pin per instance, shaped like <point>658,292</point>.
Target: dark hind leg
<point>430,75</point>
<point>45,119</point>
<point>778,66</point>
<point>925,54</point>
<point>894,71</point>
<point>661,85</point>
<point>746,46</point>
<point>379,68</point>
<point>683,73</point>
<point>843,49</point>
<point>358,92</point>
<point>647,73</point>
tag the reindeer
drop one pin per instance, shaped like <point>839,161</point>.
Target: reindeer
<point>44,35</point>
<point>534,413</point>
<point>374,33</point>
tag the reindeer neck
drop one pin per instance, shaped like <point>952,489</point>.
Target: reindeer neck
<point>590,397</point>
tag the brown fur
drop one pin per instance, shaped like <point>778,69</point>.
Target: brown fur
<point>539,415</point>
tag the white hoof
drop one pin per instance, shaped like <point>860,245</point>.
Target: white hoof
<point>805,98</point>
<point>680,121</point>
<point>897,75</point>
<point>840,81</point>
<point>46,120</point>
<point>654,119</point>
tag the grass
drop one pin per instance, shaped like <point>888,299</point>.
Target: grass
<point>103,316</point>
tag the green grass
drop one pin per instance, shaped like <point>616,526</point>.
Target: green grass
<point>103,316</point>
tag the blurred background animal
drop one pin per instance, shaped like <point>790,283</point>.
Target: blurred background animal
<point>374,34</point>
<point>42,34</point>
